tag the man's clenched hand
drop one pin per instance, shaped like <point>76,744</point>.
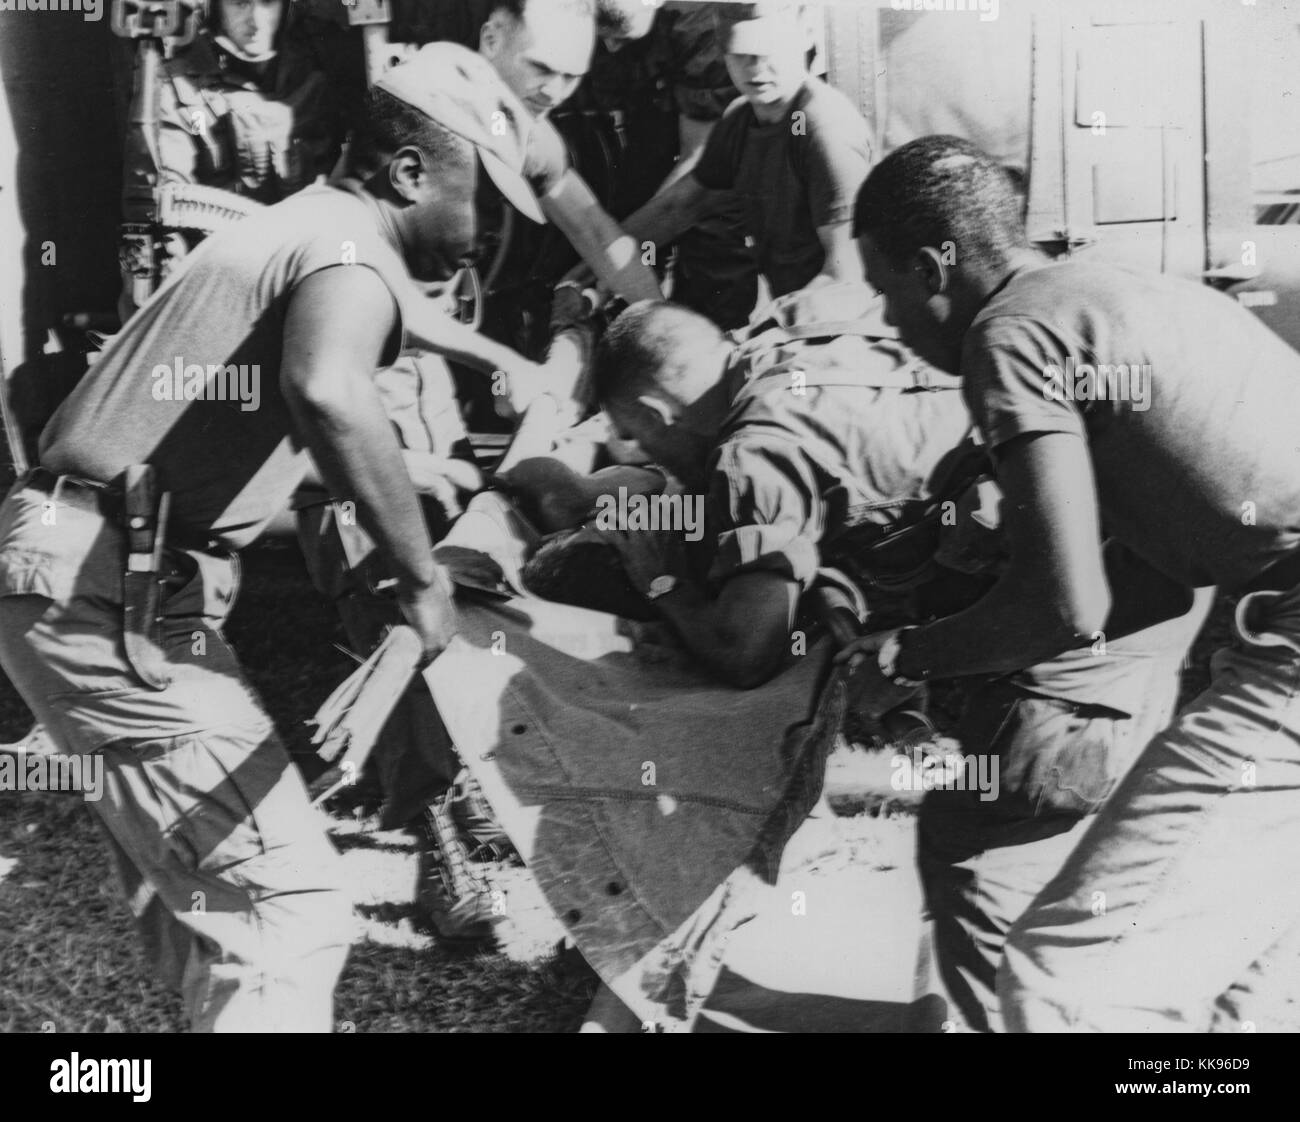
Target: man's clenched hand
<point>430,611</point>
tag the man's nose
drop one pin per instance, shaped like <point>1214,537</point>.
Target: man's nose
<point>552,90</point>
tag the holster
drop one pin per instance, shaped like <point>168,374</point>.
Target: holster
<point>144,513</point>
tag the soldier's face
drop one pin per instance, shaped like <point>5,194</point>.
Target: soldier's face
<point>924,317</point>
<point>442,223</point>
<point>766,60</point>
<point>670,437</point>
<point>542,56</point>
<point>251,24</point>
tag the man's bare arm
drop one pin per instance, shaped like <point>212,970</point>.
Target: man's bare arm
<point>661,221</point>
<point>742,636</point>
<point>430,328</point>
<point>671,212</point>
<point>842,260</point>
<point>1053,596</point>
<point>336,327</point>
<point>612,254</point>
<point>556,497</point>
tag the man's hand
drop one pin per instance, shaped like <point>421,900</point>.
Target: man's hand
<point>865,648</point>
<point>570,306</point>
<point>515,384</point>
<point>430,611</point>
<point>655,643</point>
<point>466,565</point>
<point>647,554</point>
<point>870,692</point>
<point>550,493</point>
<point>581,274</point>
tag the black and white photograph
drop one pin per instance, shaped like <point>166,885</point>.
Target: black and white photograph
<point>650,516</point>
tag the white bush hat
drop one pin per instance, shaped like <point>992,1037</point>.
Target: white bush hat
<point>462,92</point>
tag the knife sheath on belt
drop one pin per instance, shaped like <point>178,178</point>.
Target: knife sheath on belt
<point>145,515</point>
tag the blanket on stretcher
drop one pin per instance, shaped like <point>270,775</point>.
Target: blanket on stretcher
<point>651,803</point>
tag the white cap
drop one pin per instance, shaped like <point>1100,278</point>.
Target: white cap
<point>462,92</point>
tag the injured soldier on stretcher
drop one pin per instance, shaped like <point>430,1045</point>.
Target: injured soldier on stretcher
<point>769,459</point>
<point>845,453</point>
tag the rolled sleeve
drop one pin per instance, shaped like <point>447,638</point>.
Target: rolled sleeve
<point>769,510</point>
<point>1005,370</point>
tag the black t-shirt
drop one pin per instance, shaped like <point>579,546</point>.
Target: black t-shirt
<point>793,176</point>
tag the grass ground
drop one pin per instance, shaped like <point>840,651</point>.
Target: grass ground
<point>68,957</point>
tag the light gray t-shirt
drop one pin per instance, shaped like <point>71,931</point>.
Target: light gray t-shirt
<point>1202,478</point>
<point>192,382</point>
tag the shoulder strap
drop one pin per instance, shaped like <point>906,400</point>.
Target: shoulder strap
<point>810,315</point>
<point>910,373</point>
<point>867,328</point>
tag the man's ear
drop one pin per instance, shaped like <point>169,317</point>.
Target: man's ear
<point>407,173</point>
<point>810,29</point>
<point>657,412</point>
<point>936,274</point>
<point>489,37</point>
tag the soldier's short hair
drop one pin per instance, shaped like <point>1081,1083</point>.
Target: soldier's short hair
<point>388,124</point>
<point>941,189</point>
<point>650,347</point>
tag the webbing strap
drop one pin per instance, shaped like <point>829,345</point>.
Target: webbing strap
<point>913,375</point>
<point>866,328</point>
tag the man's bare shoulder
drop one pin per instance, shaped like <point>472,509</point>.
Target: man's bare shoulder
<point>346,302</point>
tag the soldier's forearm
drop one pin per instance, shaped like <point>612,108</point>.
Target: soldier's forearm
<point>613,255</point>
<point>741,636</point>
<point>431,329</point>
<point>352,443</point>
<point>673,211</point>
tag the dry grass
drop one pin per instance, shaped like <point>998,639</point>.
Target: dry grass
<point>68,955</point>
